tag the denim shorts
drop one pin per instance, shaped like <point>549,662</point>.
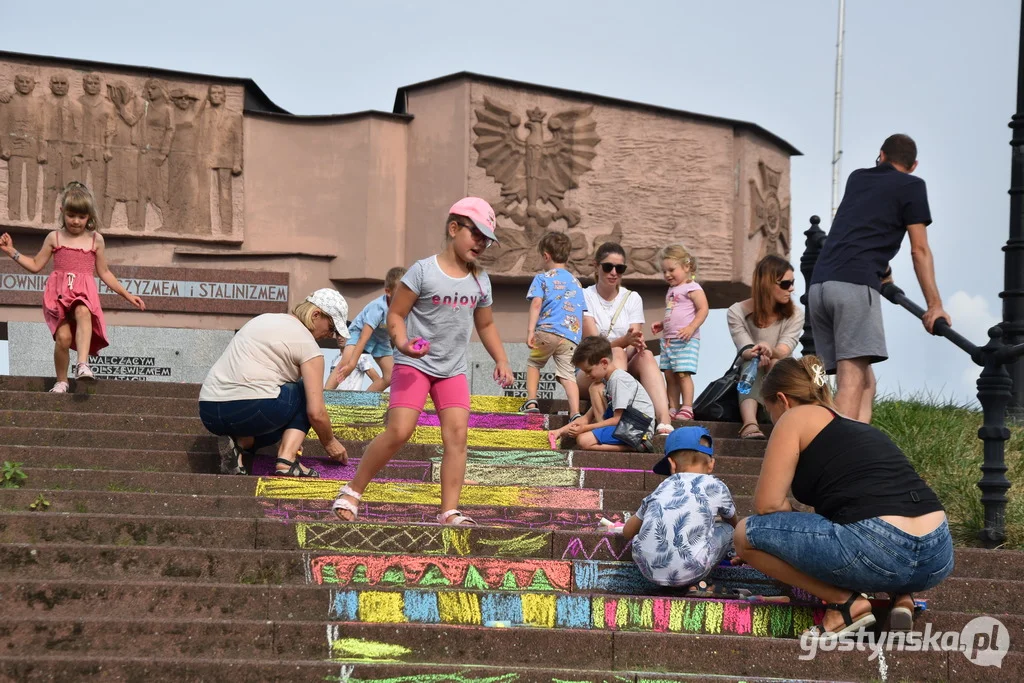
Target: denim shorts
<point>866,556</point>
<point>266,419</point>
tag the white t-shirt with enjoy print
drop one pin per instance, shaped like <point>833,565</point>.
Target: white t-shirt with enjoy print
<point>443,315</point>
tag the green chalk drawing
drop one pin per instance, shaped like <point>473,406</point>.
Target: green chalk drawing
<point>509,582</point>
<point>474,580</point>
<point>358,574</point>
<point>515,457</point>
<point>540,582</point>
<point>434,577</point>
<point>693,617</point>
<point>328,574</point>
<point>441,678</point>
<point>393,576</point>
<point>523,545</point>
<point>359,650</point>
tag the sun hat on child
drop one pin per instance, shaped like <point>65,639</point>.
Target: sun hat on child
<point>684,439</point>
<point>478,211</point>
<point>331,302</point>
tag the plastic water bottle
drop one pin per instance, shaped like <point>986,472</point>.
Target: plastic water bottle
<point>748,376</point>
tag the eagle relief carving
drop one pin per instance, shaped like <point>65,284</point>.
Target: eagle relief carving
<point>535,171</point>
<point>767,215</point>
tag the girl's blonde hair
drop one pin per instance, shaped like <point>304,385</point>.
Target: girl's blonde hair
<point>474,268</point>
<point>77,198</point>
<point>801,380</point>
<point>678,253</point>
<point>304,312</point>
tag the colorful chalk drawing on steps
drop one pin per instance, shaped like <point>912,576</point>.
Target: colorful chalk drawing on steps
<point>517,475</point>
<point>348,672</point>
<point>360,650</point>
<point>353,537</point>
<point>401,492</point>
<point>301,510</point>
<point>341,415</point>
<point>477,403</point>
<point>608,547</point>
<point>411,570</point>
<point>529,458</point>
<point>476,437</point>
<point>573,611</point>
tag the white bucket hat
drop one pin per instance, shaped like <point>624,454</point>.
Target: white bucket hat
<point>331,302</point>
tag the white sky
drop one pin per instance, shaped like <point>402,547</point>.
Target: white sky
<point>941,71</point>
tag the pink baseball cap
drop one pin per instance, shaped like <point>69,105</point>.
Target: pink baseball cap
<point>478,211</point>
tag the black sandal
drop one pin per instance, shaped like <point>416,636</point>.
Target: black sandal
<point>849,625</point>
<point>525,408</point>
<point>231,454</point>
<point>295,470</point>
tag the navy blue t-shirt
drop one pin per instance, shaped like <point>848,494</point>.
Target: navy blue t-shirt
<point>869,226</point>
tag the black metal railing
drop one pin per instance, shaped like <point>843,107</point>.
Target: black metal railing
<point>995,389</point>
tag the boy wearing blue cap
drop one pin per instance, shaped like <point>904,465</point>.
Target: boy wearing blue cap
<point>677,538</point>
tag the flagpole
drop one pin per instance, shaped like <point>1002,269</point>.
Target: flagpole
<point>837,132</point>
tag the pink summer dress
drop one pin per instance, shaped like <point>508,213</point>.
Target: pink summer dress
<point>72,282</point>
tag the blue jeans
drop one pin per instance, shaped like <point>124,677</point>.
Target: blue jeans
<point>866,556</point>
<point>265,419</point>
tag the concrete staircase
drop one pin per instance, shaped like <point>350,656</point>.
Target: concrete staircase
<point>140,563</point>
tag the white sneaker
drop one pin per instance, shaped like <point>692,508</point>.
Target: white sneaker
<point>60,388</point>
<point>664,429</point>
<point>83,371</point>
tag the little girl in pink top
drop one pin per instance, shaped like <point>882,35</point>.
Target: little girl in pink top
<point>71,300</point>
<point>686,309</point>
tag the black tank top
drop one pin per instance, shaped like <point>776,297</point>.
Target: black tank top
<point>851,471</point>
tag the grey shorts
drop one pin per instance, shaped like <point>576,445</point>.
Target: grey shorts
<point>847,322</point>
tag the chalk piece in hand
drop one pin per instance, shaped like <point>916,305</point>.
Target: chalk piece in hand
<point>420,344</point>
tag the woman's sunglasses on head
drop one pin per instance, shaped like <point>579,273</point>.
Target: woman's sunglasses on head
<point>619,268</point>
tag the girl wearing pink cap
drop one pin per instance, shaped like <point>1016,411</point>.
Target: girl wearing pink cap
<point>439,300</point>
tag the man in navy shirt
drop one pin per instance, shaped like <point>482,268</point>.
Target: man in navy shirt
<point>880,205</point>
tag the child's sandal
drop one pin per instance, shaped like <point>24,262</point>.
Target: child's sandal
<point>60,388</point>
<point>84,372</point>
<point>530,406</point>
<point>348,506</point>
<point>295,469</point>
<point>455,518</point>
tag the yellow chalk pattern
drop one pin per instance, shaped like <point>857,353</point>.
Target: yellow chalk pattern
<point>359,650</point>
<point>713,617</point>
<point>381,608</point>
<point>487,404</point>
<point>455,539</point>
<point>761,620</point>
<point>389,492</point>
<point>621,614</point>
<point>675,615</point>
<point>597,611</point>
<point>644,614</point>
<point>475,437</point>
<point>459,608</point>
<point>539,610</point>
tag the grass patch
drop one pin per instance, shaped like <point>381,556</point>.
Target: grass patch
<point>941,440</point>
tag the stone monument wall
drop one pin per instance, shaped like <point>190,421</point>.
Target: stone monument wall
<point>162,157</point>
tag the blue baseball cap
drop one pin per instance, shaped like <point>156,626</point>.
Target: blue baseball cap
<point>684,439</point>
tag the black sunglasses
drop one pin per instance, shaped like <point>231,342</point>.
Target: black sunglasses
<point>786,284</point>
<point>619,268</point>
<point>478,235</point>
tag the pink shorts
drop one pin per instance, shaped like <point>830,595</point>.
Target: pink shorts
<point>410,386</point>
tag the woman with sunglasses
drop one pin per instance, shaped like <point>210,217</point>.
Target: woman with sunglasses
<point>617,314</point>
<point>771,324</point>
<point>267,386</point>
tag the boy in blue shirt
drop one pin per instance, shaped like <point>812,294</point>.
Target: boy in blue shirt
<point>677,540</point>
<point>556,322</point>
<point>368,333</point>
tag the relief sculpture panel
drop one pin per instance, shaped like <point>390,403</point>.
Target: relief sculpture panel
<point>162,158</point>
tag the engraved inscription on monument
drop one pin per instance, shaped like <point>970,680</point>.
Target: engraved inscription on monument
<point>161,158</point>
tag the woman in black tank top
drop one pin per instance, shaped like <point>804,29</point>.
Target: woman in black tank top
<point>877,526</point>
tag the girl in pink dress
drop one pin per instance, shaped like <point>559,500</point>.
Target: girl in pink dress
<point>71,301</point>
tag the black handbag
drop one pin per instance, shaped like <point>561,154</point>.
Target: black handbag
<point>719,402</point>
<point>634,428</point>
